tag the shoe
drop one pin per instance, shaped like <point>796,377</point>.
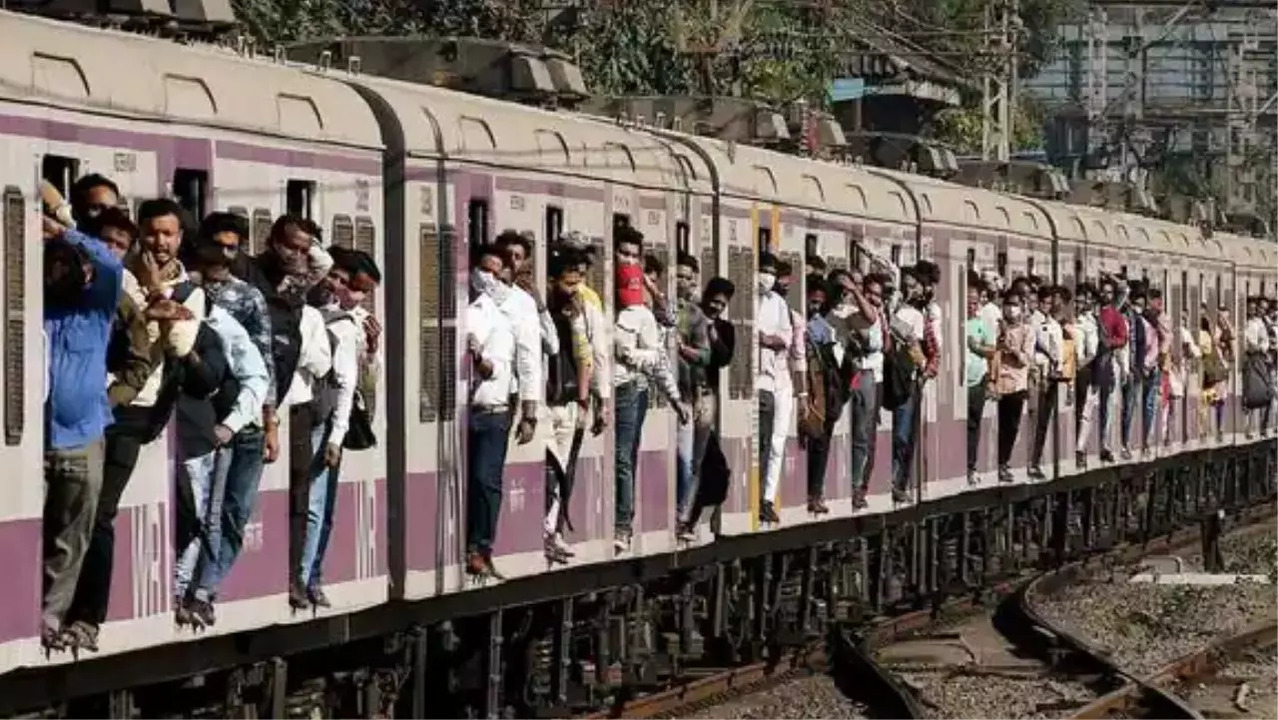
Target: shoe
<point>475,564</point>
<point>973,479</point>
<point>1106,456</point>
<point>686,533</point>
<point>768,514</point>
<point>555,553</point>
<point>490,568</point>
<point>81,635</point>
<point>1036,473</point>
<point>201,612</point>
<point>52,639</point>
<point>1080,460</point>
<point>901,496</point>
<point>621,541</point>
<point>317,597</point>
<point>1004,474</point>
<point>858,499</point>
<point>1125,454</point>
<point>297,598</point>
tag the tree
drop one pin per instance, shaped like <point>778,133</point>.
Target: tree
<point>962,129</point>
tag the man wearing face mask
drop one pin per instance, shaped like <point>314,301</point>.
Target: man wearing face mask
<point>694,358</point>
<point>1086,374</point>
<point>534,329</point>
<point>1015,347</point>
<point>490,342</point>
<point>774,330</point>
<point>338,297</point>
<point>858,326</point>
<point>819,414</point>
<point>641,360</point>
<point>909,327</point>
<point>82,286</point>
<point>1048,340</point>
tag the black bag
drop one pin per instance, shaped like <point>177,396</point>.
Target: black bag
<point>898,377</point>
<point>359,434</point>
<point>716,476</point>
<point>1257,391</point>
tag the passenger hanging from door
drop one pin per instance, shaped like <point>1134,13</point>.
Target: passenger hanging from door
<point>979,347</point>
<point>775,332</point>
<point>827,388</point>
<point>693,344</point>
<point>568,396</point>
<point>1087,373</point>
<point>1015,355</point>
<point>1048,341</point>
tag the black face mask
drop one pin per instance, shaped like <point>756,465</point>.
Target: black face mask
<point>782,290</point>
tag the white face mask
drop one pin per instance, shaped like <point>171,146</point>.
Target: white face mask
<point>842,310</point>
<point>1012,314</point>
<point>484,282</point>
<point>766,281</point>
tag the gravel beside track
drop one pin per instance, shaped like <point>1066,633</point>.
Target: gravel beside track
<point>1143,627</point>
<point>1215,697</point>
<point>946,694</point>
<point>814,696</point>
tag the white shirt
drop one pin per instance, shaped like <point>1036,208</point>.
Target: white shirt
<point>1049,338</point>
<point>908,320</point>
<point>641,352</point>
<point>521,311</point>
<point>871,341</point>
<point>347,336</point>
<point>181,333</point>
<point>245,362</point>
<point>597,333</point>
<point>992,315</point>
<point>1086,344</point>
<point>772,317</point>
<point>1256,335</point>
<point>313,362</point>
<point>491,331</point>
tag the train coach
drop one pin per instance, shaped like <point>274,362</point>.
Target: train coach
<point>416,175</point>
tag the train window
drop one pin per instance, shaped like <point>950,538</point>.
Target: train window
<point>366,235</point>
<point>1001,263</point>
<point>431,279</point>
<point>1029,266</point>
<point>810,248</point>
<point>260,231</point>
<point>343,232</point>
<point>896,255</point>
<point>740,312</point>
<point>682,237</point>
<point>298,197</point>
<point>239,211</point>
<point>765,240</point>
<point>554,223</point>
<point>15,268</point>
<point>477,222</point>
<point>60,172</point>
<point>1078,269</point>
<point>709,263</point>
<point>971,260</point>
<point>189,187</point>
<point>1122,270</point>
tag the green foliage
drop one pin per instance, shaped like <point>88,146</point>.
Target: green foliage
<point>961,128</point>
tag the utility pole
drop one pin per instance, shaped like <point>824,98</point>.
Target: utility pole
<point>998,86</point>
<point>1097,81</point>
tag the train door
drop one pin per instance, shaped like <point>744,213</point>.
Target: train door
<point>742,230</point>
<point>791,498</point>
<point>830,244</point>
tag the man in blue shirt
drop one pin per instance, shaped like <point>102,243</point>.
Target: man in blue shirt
<point>82,285</point>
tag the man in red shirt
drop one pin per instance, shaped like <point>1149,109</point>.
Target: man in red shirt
<point>1114,333</point>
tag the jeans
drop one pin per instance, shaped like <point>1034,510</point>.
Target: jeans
<point>864,417</point>
<point>199,535</point>
<point>631,408</point>
<point>1046,397</point>
<point>1010,408</point>
<point>488,435</point>
<point>692,440</point>
<point>243,477</point>
<point>1130,390</point>
<point>319,510</point>
<point>903,441</point>
<point>93,591</point>
<point>1152,392</point>
<point>975,413</point>
<point>73,480</point>
<point>302,421</point>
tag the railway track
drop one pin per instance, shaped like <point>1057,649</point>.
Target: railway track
<point>1034,652</point>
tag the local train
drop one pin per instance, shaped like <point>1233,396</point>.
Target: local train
<point>415,174</point>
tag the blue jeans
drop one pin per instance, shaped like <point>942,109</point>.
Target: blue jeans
<point>488,435</point>
<point>865,410</point>
<point>247,450</point>
<point>903,442</point>
<point>200,543</point>
<point>1152,392</point>
<point>319,510</point>
<point>631,409</point>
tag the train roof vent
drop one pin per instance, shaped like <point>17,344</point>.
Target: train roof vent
<point>899,151</point>
<point>1141,201</point>
<point>1024,177</point>
<point>92,11</point>
<point>731,119</point>
<point>213,12</point>
<point>508,71</point>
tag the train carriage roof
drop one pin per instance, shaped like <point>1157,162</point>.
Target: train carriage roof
<point>133,75</point>
<point>506,134</point>
<point>976,208</point>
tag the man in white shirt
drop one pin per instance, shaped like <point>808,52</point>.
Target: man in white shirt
<point>338,298</point>
<point>856,319</point>
<point>1086,388</point>
<point>534,330</point>
<point>775,331</point>
<point>1049,339</point>
<point>491,342</point>
<point>1255,367</point>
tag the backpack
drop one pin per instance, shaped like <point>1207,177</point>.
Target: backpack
<point>899,370</point>
<point>827,390</point>
<point>359,432</point>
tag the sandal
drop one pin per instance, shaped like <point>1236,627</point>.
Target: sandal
<point>81,635</point>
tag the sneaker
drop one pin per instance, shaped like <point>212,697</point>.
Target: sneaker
<point>201,612</point>
<point>491,568</point>
<point>52,639</point>
<point>1106,456</point>
<point>297,598</point>
<point>317,597</point>
<point>686,533</point>
<point>1125,454</point>
<point>858,499</point>
<point>817,506</point>
<point>901,496</point>
<point>1036,473</point>
<point>475,564</point>
<point>555,553</point>
<point>973,479</point>
<point>768,514</point>
<point>1080,460</point>
<point>81,635</point>
<point>1004,474</point>
<point>621,541</point>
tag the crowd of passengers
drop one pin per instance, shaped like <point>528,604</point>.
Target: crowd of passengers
<point>858,343</point>
<point>149,320</point>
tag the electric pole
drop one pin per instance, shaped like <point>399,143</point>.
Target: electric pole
<point>1001,25</point>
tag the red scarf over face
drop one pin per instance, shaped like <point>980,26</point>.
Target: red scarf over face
<point>629,285</point>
